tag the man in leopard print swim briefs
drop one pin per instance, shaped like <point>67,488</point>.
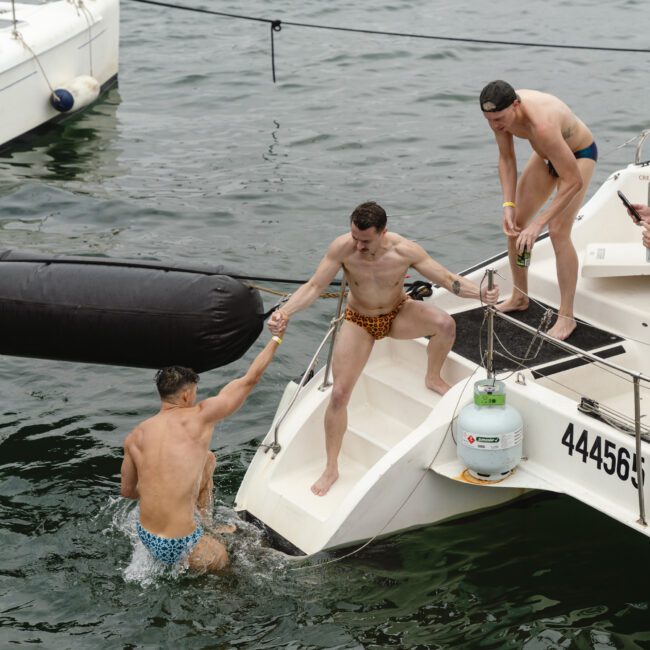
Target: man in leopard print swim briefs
<point>375,262</point>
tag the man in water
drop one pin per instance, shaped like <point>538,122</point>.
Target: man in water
<point>564,157</point>
<point>168,464</point>
<point>375,262</point>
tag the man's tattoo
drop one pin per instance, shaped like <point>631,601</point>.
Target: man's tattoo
<point>455,287</point>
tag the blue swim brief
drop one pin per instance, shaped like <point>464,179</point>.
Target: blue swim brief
<point>169,549</point>
<point>590,152</point>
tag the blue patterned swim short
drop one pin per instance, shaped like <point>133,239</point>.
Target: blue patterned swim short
<point>169,549</point>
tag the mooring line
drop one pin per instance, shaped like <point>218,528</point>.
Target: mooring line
<point>276,26</point>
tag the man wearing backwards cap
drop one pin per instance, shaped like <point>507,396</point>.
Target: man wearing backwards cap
<point>564,157</point>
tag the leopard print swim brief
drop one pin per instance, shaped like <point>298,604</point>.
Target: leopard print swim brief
<point>377,326</point>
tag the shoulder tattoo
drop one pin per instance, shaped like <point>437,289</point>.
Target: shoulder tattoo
<point>455,287</point>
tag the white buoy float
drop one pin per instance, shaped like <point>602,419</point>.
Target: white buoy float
<point>489,433</point>
<point>76,94</point>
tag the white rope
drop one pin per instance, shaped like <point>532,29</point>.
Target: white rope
<point>90,22</point>
<point>19,36</point>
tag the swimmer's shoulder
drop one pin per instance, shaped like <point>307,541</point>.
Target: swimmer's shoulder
<point>342,245</point>
<point>405,247</point>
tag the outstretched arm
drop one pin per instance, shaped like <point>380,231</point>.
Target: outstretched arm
<point>508,179</point>
<point>234,394</point>
<point>425,265</point>
<point>308,292</point>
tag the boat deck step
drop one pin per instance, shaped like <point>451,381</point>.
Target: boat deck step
<point>295,486</point>
<point>375,426</point>
<point>405,380</point>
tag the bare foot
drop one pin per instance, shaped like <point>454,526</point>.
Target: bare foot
<point>563,328</point>
<point>324,483</point>
<point>513,304</point>
<point>438,385</point>
<point>226,529</point>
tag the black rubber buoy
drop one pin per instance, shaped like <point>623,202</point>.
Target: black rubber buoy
<point>124,312</point>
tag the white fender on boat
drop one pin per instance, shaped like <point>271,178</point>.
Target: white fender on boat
<point>489,433</point>
<point>76,94</point>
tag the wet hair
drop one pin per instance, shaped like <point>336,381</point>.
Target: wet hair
<point>173,379</point>
<point>369,215</point>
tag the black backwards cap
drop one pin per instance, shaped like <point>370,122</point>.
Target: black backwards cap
<point>497,96</point>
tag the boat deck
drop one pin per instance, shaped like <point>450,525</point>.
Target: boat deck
<point>470,329</point>
<point>558,369</point>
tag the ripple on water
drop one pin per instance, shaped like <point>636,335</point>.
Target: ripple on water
<point>246,547</point>
<point>199,156</point>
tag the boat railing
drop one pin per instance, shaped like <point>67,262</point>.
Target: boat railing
<point>639,146</point>
<point>335,322</point>
<point>275,446</point>
<point>13,14</point>
<point>636,378</point>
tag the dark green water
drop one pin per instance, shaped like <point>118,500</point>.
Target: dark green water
<point>198,156</point>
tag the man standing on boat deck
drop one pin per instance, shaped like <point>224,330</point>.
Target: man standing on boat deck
<point>564,157</point>
<point>375,262</point>
<point>168,464</point>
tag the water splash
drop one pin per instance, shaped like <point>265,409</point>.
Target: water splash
<point>250,556</point>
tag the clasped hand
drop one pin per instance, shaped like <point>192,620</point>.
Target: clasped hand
<point>278,323</point>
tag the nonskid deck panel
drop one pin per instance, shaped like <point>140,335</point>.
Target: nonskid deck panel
<point>470,329</point>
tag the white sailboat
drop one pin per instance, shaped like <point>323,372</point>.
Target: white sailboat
<point>55,59</point>
<point>585,404</point>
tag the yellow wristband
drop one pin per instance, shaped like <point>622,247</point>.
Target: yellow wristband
<point>277,339</point>
<point>508,204</point>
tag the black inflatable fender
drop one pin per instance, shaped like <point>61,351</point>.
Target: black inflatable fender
<point>124,312</point>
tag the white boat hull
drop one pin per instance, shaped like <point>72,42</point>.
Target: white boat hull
<point>398,465</point>
<point>58,42</point>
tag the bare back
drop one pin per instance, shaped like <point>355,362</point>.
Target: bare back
<point>169,452</point>
<point>376,283</point>
<point>543,113</point>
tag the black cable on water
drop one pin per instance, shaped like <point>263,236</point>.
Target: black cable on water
<point>203,11</point>
<point>276,25</point>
